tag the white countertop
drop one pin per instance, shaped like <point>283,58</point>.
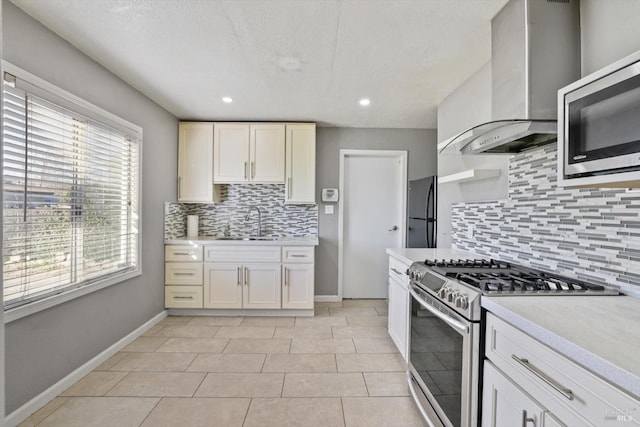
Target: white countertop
<point>600,333</point>
<point>411,255</point>
<point>279,241</point>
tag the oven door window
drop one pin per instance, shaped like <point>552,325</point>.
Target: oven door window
<point>436,353</point>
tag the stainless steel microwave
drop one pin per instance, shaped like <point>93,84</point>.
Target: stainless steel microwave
<point>599,127</point>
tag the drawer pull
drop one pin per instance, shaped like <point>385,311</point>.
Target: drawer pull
<point>179,297</point>
<point>396,271</point>
<point>297,256</point>
<point>544,377</point>
<point>183,274</point>
<point>182,253</point>
<point>526,420</point>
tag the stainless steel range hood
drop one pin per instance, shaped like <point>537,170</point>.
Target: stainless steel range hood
<point>535,50</point>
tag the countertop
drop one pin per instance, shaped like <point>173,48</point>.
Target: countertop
<point>600,333</point>
<point>411,255</point>
<point>279,241</point>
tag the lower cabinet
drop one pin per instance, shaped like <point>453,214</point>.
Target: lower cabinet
<point>231,285</point>
<point>505,404</point>
<point>241,277</point>
<point>528,384</point>
<point>398,325</point>
<point>297,286</point>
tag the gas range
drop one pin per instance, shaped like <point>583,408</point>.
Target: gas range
<point>460,283</point>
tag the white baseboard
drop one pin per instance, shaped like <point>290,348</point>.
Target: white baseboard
<point>23,412</point>
<point>326,298</point>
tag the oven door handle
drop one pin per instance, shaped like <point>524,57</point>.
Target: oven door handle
<point>413,391</point>
<point>455,324</point>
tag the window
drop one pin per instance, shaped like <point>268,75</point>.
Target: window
<point>70,202</point>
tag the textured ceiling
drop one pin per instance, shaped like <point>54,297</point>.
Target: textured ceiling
<point>283,59</point>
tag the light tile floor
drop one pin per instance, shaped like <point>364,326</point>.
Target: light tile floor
<point>339,368</point>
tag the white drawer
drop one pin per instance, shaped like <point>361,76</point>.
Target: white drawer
<point>398,270</point>
<point>297,254</point>
<point>183,296</point>
<point>183,273</point>
<point>526,360</point>
<point>183,253</point>
<point>241,253</point>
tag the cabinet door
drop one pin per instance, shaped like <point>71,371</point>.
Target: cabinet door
<point>230,153</point>
<point>222,285</point>
<point>297,286</point>
<point>300,184</point>
<point>261,286</point>
<point>398,314</point>
<point>504,404</point>
<point>267,153</point>
<point>195,162</point>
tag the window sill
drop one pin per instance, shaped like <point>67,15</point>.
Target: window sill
<point>46,303</point>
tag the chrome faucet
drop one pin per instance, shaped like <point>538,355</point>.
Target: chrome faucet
<point>246,218</point>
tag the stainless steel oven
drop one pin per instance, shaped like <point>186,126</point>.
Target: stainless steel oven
<point>443,361</point>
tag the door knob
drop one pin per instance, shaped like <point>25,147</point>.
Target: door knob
<point>394,228</point>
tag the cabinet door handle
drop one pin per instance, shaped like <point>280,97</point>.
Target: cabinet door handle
<point>289,187</point>
<point>238,281</point>
<point>245,171</point>
<point>396,271</point>
<point>544,377</point>
<point>286,276</point>
<point>179,187</point>
<point>246,277</point>
<point>253,170</point>
<point>526,420</point>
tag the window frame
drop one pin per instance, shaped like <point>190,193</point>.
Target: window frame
<point>68,100</point>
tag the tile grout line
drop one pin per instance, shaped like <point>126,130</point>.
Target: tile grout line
<point>152,409</point>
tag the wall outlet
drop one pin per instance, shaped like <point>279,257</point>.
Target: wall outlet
<point>328,209</point>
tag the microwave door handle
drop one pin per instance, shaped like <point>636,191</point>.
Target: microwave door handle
<point>455,324</point>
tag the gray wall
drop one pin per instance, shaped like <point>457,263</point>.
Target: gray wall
<point>469,105</point>
<point>43,348</point>
<point>421,145</point>
<point>609,31</point>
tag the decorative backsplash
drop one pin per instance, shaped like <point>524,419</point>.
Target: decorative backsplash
<point>590,234</point>
<point>228,216</point>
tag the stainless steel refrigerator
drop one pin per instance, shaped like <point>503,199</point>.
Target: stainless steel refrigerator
<point>421,224</point>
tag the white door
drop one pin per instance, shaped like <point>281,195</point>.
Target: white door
<point>262,286</point>
<point>230,153</point>
<point>267,153</point>
<point>297,286</point>
<point>372,218</point>
<point>195,162</point>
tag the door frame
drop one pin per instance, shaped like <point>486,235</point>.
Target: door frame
<point>401,155</point>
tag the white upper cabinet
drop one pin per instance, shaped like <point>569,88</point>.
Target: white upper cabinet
<point>300,184</point>
<point>231,153</point>
<point>195,162</point>
<point>248,153</point>
<point>266,153</point>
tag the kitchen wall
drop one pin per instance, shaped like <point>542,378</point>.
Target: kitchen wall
<point>228,216</point>
<point>43,348</point>
<point>591,234</point>
<point>421,145</point>
<point>468,106</point>
<point>2,341</point>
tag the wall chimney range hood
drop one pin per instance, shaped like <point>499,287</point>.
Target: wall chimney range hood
<point>535,50</point>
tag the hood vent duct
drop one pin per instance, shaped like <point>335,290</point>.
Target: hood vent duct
<point>535,50</point>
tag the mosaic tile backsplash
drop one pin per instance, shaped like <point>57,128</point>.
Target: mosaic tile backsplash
<point>590,234</point>
<point>228,216</point>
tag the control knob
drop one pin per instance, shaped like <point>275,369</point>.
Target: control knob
<point>452,296</point>
<point>442,293</point>
<point>462,301</point>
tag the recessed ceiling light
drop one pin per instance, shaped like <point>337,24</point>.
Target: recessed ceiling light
<point>365,102</point>
<point>227,99</point>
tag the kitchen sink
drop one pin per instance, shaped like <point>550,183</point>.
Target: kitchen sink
<point>246,238</point>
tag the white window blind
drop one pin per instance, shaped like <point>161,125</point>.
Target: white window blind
<point>70,202</point>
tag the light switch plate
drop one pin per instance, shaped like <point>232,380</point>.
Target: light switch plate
<point>328,209</point>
